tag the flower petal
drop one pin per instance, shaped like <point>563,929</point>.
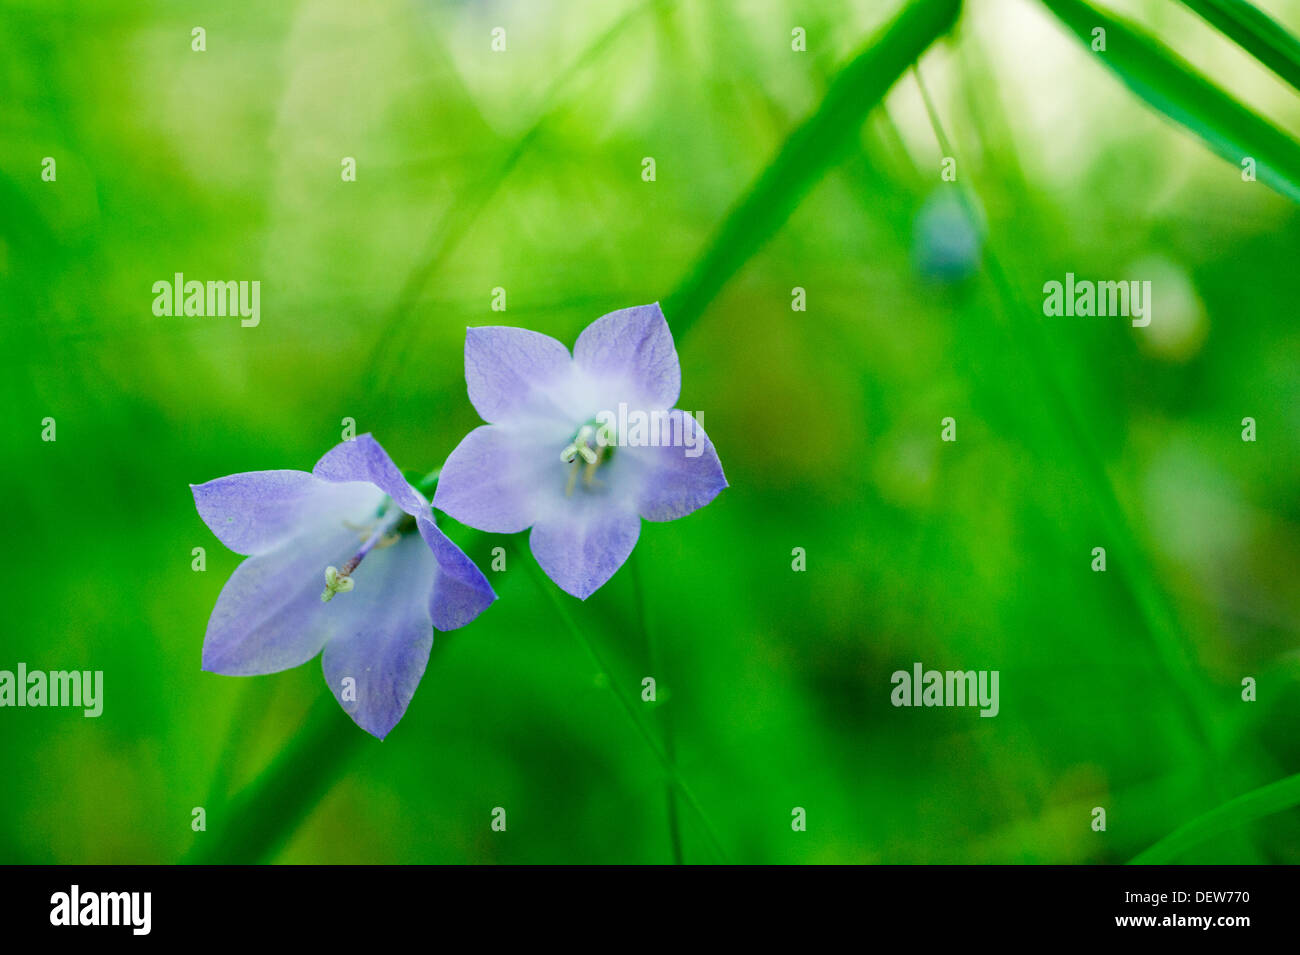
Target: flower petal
<point>381,635</point>
<point>362,459</point>
<point>460,591</point>
<point>269,616</point>
<point>581,547</point>
<point>510,370</point>
<point>634,347</point>
<point>495,479</point>
<point>256,511</point>
<point>680,475</point>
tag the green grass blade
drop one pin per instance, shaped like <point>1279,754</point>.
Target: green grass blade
<point>470,202</point>
<point>1173,86</point>
<point>1255,32</point>
<point>269,811</point>
<point>809,151</point>
<point>1080,449</point>
<point>1275,797</point>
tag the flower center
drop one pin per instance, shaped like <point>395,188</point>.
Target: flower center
<point>384,532</point>
<point>592,445</point>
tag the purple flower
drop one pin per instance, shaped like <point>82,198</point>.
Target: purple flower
<point>347,529</point>
<point>579,448</point>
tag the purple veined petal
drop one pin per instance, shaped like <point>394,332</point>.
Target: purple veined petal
<point>269,616</point>
<point>362,459</point>
<point>460,591</point>
<point>381,634</point>
<point>634,347</point>
<point>680,474</point>
<point>581,547</point>
<point>256,511</point>
<point>495,479</point>
<point>509,371</point>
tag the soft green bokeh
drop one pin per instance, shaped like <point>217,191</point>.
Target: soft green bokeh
<point>523,170</point>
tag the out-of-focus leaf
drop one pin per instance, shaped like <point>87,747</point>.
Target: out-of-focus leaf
<point>1255,32</point>
<point>1264,801</point>
<point>809,152</point>
<point>1174,87</point>
<point>269,811</point>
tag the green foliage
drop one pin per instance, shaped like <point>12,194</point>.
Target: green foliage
<point>1275,797</point>
<point>1256,32</point>
<point>809,151</point>
<point>521,170</point>
<point>1175,88</point>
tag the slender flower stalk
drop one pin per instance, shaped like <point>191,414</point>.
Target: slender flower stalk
<point>669,766</point>
<point>670,749</point>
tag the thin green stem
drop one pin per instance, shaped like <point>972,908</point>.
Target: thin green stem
<point>267,812</point>
<point>218,790</point>
<point>629,708</point>
<point>1156,612</point>
<point>1264,801</point>
<point>811,149</point>
<point>652,657</point>
<point>470,202</point>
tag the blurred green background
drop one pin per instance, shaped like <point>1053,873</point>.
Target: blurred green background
<point>523,170</point>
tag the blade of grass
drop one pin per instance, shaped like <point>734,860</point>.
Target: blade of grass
<point>471,201</point>
<point>1175,88</point>
<point>1157,613</point>
<point>1275,797</point>
<point>808,153</point>
<point>1255,32</point>
<point>263,817</point>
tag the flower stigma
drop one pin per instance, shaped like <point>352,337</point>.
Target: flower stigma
<point>378,535</point>
<point>591,446</point>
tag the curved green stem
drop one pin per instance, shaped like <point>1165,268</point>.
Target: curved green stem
<point>262,817</point>
<point>1255,804</point>
<point>652,658</point>
<point>629,708</point>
